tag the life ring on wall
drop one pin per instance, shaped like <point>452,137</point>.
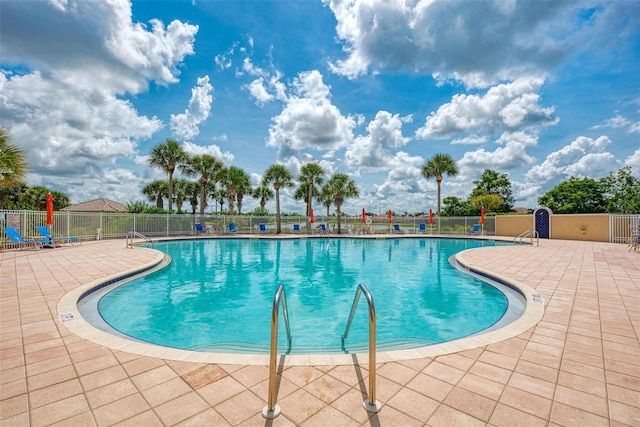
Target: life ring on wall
<point>368,221</point>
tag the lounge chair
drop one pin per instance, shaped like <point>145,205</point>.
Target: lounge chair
<point>44,232</point>
<point>15,237</point>
<point>475,229</point>
<point>199,228</point>
<point>296,228</point>
<point>323,228</point>
<point>396,228</point>
<point>232,227</point>
<point>263,227</point>
<point>423,227</point>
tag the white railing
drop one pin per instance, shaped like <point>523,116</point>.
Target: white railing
<point>621,227</point>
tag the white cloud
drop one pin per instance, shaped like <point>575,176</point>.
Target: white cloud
<point>197,150</point>
<point>309,120</point>
<point>582,157</point>
<point>186,125</point>
<point>634,161</point>
<point>470,140</point>
<point>512,153</point>
<point>506,107</point>
<point>476,42</point>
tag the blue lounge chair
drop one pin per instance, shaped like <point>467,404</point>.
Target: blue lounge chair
<point>15,237</point>
<point>199,228</point>
<point>323,228</point>
<point>423,227</point>
<point>263,227</point>
<point>475,229</point>
<point>232,227</point>
<point>396,228</point>
<point>44,232</point>
<point>296,228</point>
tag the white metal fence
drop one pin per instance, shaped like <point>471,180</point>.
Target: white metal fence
<point>623,226</point>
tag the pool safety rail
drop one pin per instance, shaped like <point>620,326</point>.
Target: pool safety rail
<point>529,233</point>
<point>371,404</point>
<point>272,410</point>
<point>131,235</point>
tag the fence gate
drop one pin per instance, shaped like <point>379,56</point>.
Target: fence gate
<point>542,222</point>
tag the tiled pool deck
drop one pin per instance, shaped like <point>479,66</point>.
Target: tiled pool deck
<point>580,365</point>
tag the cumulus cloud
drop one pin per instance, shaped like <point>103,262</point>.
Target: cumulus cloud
<point>620,122</point>
<point>479,43</point>
<point>186,125</point>
<point>505,107</point>
<point>511,153</point>
<point>309,120</point>
<point>197,150</point>
<point>582,157</point>
<point>634,161</point>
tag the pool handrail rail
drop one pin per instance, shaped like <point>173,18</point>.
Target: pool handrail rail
<point>529,233</point>
<point>371,404</point>
<point>272,410</point>
<point>131,235</point>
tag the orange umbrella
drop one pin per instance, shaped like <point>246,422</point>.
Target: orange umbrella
<point>430,216</point>
<point>390,215</point>
<point>364,216</point>
<point>49,220</point>
<point>311,216</point>
<point>482,216</point>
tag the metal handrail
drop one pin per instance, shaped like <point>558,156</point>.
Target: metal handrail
<point>272,410</point>
<point>131,235</point>
<point>371,405</point>
<point>531,234</point>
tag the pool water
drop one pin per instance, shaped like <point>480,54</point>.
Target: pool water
<point>217,295</point>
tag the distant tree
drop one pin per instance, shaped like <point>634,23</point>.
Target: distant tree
<point>342,187</point>
<point>622,191</point>
<point>491,182</point>
<point>137,207</point>
<point>10,196</point>
<point>311,174</point>
<point>207,168</point>
<point>278,176</point>
<point>156,191</point>
<point>236,183</point>
<point>181,192</point>
<point>326,197</point>
<point>13,167</point>
<point>438,166</point>
<point>453,206</point>
<point>264,194</point>
<point>192,193</point>
<point>574,196</point>
<point>167,156</point>
<point>490,202</point>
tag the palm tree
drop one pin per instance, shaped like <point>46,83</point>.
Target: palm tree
<point>278,176</point>
<point>342,187</point>
<point>156,191</point>
<point>235,182</point>
<point>13,166</point>
<point>167,156</point>
<point>326,197</point>
<point>181,189</point>
<point>192,193</point>
<point>439,165</point>
<point>263,193</point>
<point>207,167</point>
<point>311,174</point>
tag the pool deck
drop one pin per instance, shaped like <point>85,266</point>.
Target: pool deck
<point>580,365</point>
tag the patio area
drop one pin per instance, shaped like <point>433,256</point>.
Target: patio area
<point>580,365</point>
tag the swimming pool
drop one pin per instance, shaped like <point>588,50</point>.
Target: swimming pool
<point>216,294</point>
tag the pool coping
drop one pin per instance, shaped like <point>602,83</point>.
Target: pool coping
<point>72,319</point>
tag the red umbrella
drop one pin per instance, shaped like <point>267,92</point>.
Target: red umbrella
<point>482,216</point>
<point>311,216</point>
<point>364,216</point>
<point>390,215</point>
<point>49,209</point>
<point>430,216</point>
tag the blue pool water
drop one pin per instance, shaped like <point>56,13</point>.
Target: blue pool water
<point>217,295</point>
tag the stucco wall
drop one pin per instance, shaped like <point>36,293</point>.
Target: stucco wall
<point>592,227</point>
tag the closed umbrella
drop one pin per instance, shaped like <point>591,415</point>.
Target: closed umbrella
<point>49,220</point>
<point>390,216</point>
<point>430,216</point>
<point>311,216</point>
<point>482,216</point>
<point>364,216</point>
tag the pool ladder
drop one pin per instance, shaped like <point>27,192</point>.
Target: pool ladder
<point>272,410</point>
<point>529,233</point>
<point>130,237</point>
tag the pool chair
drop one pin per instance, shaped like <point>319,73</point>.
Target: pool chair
<point>199,228</point>
<point>263,227</point>
<point>396,228</point>
<point>44,232</point>
<point>16,238</point>
<point>423,227</point>
<point>323,228</point>
<point>232,227</point>
<point>475,229</point>
<point>296,228</point>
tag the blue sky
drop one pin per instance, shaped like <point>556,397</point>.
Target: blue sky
<point>540,91</point>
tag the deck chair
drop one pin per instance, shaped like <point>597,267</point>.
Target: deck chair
<point>263,227</point>
<point>44,232</point>
<point>323,228</point>
<point>199,228</point>
<point>475,229</point>
<point>296,228</point>
<point>232,227</point>
<point>423,227</point>
<point>396,228</point>
<point>15,237</point>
